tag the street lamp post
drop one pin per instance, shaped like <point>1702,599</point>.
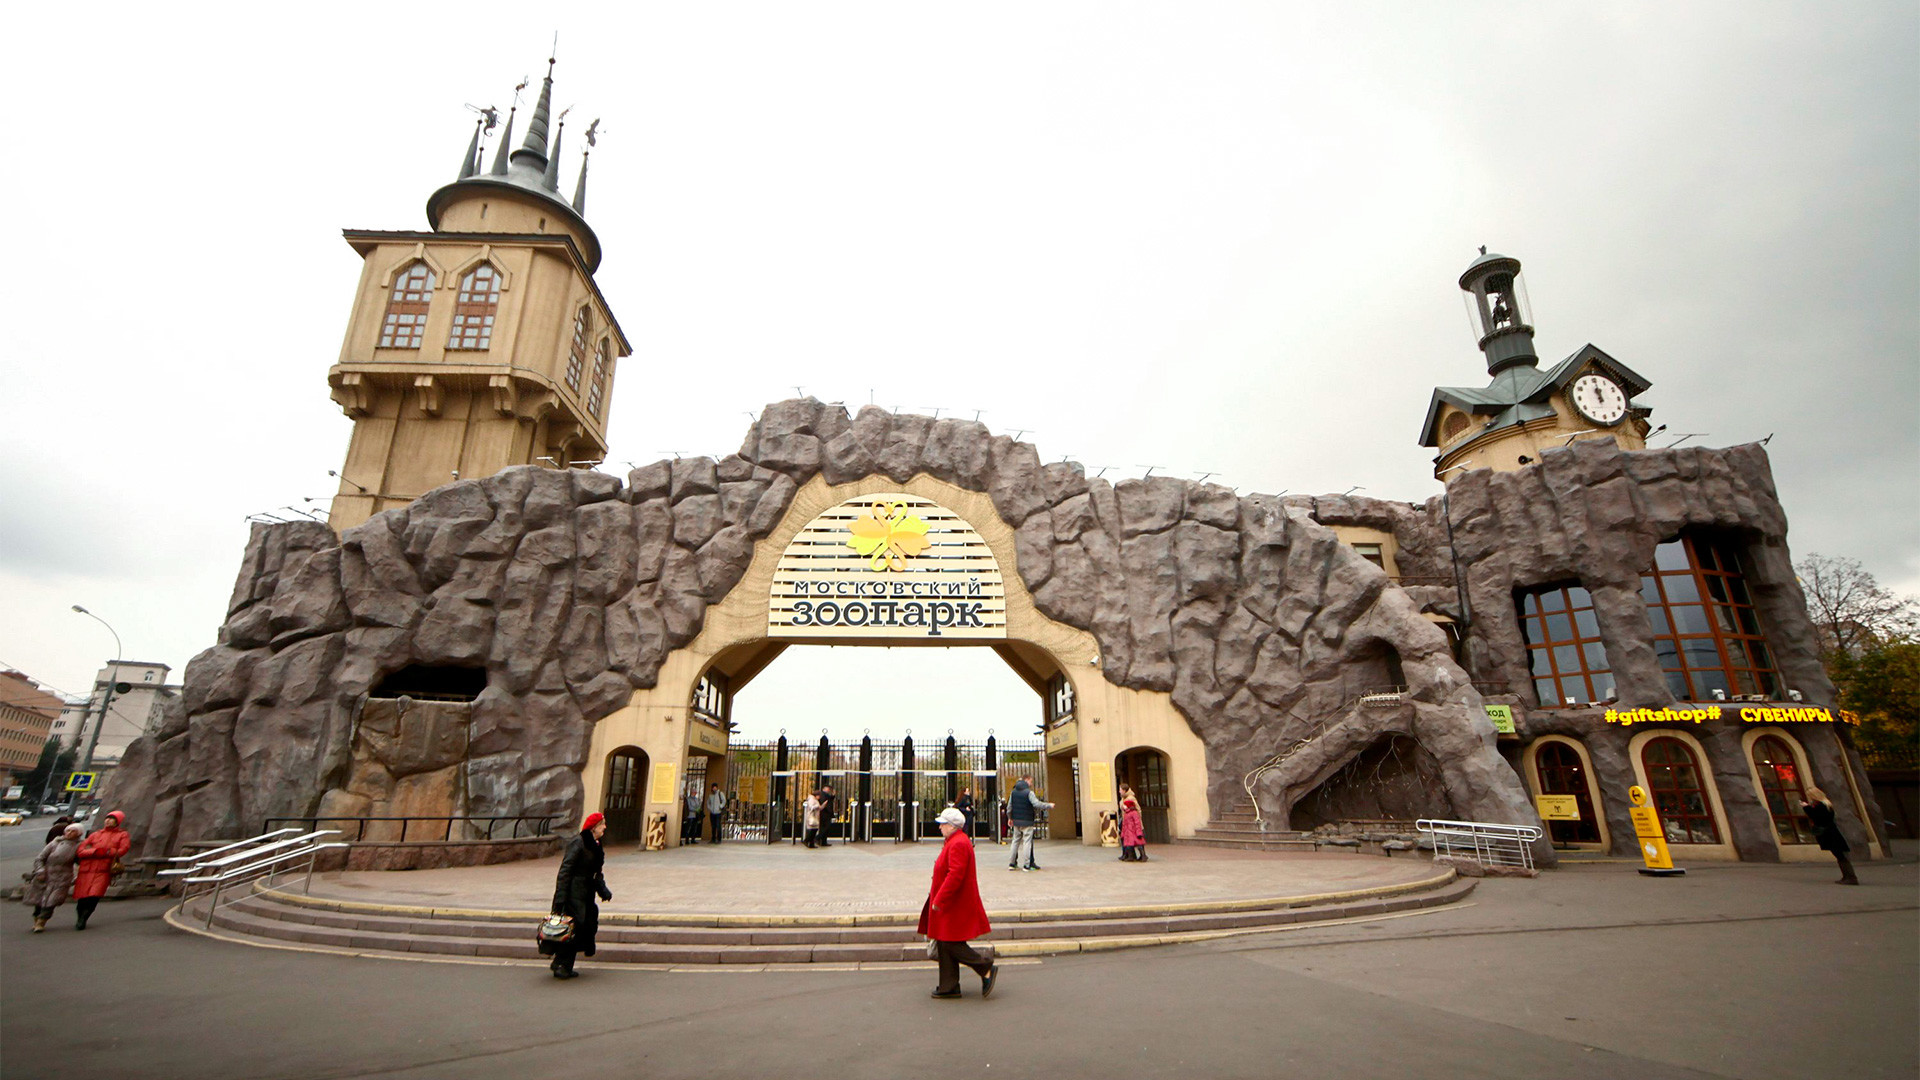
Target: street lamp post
<point>106,702</point>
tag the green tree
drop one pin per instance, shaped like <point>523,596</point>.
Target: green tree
<point>1870,643</point>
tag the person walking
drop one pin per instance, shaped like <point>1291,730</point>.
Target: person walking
<point>810,818</point>
<point>964,804</point>
<point>52,876</point>
<point>99,857</point>
<point>953,914</point>
<point>59,827</point>
<point>581,878</point>
<point>1826,830</point>
<point>1133,831</point>
<point>1023,813</point>
<point>690,820</point>
<point>716,809</point>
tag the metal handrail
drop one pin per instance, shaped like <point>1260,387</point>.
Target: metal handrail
<point>1491,843</point>
<point>542,824</point>
<point>231,865</point>
<point>235,846</point>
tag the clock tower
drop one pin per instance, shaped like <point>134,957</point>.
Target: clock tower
<point>1525,411</point>
<point>483,341</point>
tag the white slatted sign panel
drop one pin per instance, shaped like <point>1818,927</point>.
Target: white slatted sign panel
<point>888,566</point>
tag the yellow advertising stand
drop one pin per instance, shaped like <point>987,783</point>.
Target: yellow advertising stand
<point>1653,842</point>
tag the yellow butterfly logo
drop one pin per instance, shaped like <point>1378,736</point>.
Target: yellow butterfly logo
<point>888,535</point>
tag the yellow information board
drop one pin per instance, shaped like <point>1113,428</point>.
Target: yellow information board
<point>1099,782</point>
<point>1558,807</point>
<point>82,781</point>
<point>1646,830</point>
<point>663,789</point>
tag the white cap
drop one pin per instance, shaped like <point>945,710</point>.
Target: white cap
<point>950,816</point>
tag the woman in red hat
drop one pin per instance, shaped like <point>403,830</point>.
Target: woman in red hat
<point>953,914</point>
<point>579,882</point>
<point>99,860</point>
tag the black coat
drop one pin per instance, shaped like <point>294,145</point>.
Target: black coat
<point>579,882</point>
<point>1825,828</point>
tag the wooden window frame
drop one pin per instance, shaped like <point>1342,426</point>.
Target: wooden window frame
<point>1790,824</point>
<point>577,352</point>
<point>1548,660</point>
<point>1706,604</point>
<point>1668,799</point>
<point>597,393</point>
<point>404,325</point>
<point>474,310</point>
<point>1575,780</point>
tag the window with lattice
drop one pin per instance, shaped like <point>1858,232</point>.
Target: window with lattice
<point>406,321</point>
<point>1564,651</point>
<point>577,353</point>
<point>1706,632</point>
<point>1679,795</point>
<point>474,309</point>
<point>597,393</point>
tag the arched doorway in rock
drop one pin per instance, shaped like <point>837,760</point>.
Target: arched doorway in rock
<point>625,782</point>
<point>1144,769</point>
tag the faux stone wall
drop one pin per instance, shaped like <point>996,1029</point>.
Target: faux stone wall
<point>570,589</point>
<point>1593,513</point>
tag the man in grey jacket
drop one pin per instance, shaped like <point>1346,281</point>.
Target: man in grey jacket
<point>1023,813</point>
<point>716,809</point>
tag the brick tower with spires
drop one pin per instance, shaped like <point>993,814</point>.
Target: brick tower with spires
<point>483,342</point>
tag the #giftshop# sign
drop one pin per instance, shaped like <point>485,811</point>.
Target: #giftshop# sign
<point>1749,714</point>
<point>888,566</point>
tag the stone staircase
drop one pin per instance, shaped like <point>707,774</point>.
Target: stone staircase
<point>1235,827</point>
<point>276,916</point>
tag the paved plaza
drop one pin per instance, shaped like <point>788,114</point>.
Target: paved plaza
<point>756,878</point>
<point>1736,970</point>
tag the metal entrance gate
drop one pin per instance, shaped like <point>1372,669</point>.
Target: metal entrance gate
<point>883,790</point>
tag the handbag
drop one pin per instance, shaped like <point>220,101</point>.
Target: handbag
<point>556,929</point>
<point>933,949</point>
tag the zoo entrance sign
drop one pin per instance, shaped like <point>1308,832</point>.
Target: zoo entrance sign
<point>888,566</point>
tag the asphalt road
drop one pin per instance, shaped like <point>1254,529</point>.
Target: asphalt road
<point>1736,971</point>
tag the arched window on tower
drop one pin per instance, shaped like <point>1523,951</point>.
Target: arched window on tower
<point>474,308</point>
<point>406,321</point>
<point>597,393</point>
<point>577,354</point>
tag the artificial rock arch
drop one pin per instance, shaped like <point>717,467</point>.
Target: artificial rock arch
<point>573,590</point>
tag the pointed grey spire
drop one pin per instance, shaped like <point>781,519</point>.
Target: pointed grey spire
<point>580,188</point>
<point>506,140</point>
<point>471,163</point>
<point>552,180</point>
<point>534,150</point>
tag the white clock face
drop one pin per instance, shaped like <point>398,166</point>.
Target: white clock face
<point>1599,399</point>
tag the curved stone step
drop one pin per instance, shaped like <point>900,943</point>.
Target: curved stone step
<point>269,915</point>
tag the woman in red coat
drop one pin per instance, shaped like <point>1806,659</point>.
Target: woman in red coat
<point>98,855</point>
<point>953,914</point>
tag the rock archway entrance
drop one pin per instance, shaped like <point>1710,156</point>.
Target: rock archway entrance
<point>1226,631</point>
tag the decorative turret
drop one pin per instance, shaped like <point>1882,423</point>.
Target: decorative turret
<point>1524,412</point>
<point>482,343</point>
<point>1497,305</point>
<point>528,176</point>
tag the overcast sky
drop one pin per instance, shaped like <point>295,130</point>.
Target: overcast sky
<point>1202,237</point>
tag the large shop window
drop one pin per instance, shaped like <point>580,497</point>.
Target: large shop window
<point>1564,650</point>
<point>474,308</point>
<point>1780,784</point>
<point>1673,779</point>
<point>406,319</point>
<point>1561,773</point>
<point>1705,629</point>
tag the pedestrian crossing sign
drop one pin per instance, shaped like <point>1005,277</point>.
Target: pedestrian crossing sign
<point>82,781</point>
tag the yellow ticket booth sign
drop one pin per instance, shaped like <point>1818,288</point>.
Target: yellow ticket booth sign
<point>1558,807</point>
<point>1648,834</point>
